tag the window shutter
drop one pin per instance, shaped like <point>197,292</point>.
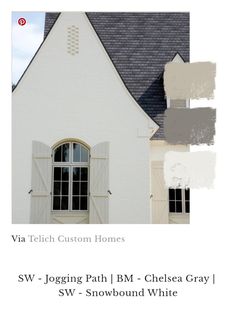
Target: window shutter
<point>41,183</point>
<point>99,184</point>
<point>160,205</point>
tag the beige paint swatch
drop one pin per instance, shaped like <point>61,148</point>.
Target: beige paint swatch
<point>189,169</point>
<point>189,80</point>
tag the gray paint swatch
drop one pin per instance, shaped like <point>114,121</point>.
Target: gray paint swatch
<point>190,126</point>
<point>189,80</point>
<point>178,103</point>
<point>189,169</point>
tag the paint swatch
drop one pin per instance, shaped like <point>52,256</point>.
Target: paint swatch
<point>178,103</point>
<point>190,126</point>
<point>189,169</point>
<point>189,80</point>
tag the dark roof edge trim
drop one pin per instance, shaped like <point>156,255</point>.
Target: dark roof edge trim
<point>86,13</point>
<point>44,39</point>
<point>177,53</point>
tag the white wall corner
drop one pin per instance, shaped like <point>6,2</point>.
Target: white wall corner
<point>147,132</point>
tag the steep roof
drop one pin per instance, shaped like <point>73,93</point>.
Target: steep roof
<point>139,45</point>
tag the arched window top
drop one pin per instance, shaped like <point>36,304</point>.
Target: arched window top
<point>70,177</point>
<point>71,152</point>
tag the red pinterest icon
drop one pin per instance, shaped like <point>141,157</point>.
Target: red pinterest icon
<point>21,21</point>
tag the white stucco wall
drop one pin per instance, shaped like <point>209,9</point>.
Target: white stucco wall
<point>81,96</point>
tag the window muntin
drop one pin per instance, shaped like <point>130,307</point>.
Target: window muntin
<point>70,177</point>
<point>60,188</point>
<point>79,188</point>
<point>179,201</point>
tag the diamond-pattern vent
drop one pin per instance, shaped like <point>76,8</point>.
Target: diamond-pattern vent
<point>73,40</point>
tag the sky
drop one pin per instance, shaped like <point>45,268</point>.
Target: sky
<point>25,40</point>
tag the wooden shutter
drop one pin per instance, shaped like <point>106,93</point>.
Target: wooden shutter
<point>41,183</point>
<point>99,184</point>
<point>160,204</point>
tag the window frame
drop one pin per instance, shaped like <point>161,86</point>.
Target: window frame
<point>183,201</point>
<point>71,164</point>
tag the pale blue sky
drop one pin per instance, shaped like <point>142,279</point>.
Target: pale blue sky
<point>25,40</point>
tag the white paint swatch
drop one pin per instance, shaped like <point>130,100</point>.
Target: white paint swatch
<point>189,169</point>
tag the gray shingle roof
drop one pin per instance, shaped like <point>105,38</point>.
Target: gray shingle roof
<point>139,45</point>
<point>50,19</point>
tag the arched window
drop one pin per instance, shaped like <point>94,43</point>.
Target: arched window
<point>70,177</point>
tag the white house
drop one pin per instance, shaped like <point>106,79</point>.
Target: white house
<point>88,143</point>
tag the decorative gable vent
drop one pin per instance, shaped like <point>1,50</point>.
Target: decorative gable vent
<point>73,40</point>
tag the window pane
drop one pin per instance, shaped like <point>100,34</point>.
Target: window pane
<point>75,203</point>
<point>76,173</point>
<point>57,173</point>
<point>56,189</point>
<point>187,207</point>
<point>84,154</point>
<point>83,203</point>
<point>57,154</point>
<point>187,194</point>
<point>172,194</point>
<point>64,203</point>
<point>65,152</point>
<point>65,173</point>
<point>65,184</point>
<point>179,206</point>
<point>84,188</point>
<point>84,173</point>
<point>171,206</point>
<point>56,203</point>
<point>65,188</point>
<point>76,153</point>
<point>76,188</point>
<point>178,193</point>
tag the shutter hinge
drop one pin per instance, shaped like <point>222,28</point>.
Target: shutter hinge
<point>109,192</point>
<point>151,196</point>
<point>30,191</point>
